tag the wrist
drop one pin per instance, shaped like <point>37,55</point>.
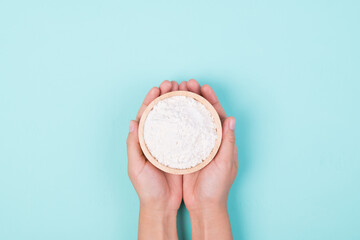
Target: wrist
<point>155,223</point>
<point>210,222</point>
<point>157,212</point>
<point>208,213</point>
<point>159,205</point>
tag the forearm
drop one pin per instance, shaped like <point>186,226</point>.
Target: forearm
<point>156,224</point>
<point>210,223</point>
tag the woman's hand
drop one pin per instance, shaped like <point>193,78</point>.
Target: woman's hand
<point>205,192</point>
<point>160,193</point>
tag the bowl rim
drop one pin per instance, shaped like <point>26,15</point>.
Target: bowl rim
<point>213,152</point>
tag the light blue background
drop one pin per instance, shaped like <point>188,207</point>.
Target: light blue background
<point>73,74</point>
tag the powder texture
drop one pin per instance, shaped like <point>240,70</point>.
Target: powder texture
<point>180,132</point>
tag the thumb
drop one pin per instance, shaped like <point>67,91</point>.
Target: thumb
<point>226,151</point>
<point>135,156</point>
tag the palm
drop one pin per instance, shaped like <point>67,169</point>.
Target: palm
<point>153,185</point>
<point>196,187</point>
<point>164,187</point>
<point>205,185</point>
<point>202,186</point>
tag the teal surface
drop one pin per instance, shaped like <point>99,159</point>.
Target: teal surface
<point>73,74</point>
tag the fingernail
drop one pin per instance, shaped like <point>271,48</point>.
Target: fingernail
<point>232,124</point>
<point>131,126</point>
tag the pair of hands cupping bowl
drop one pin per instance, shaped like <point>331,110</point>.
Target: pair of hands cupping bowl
<point>204,192</point>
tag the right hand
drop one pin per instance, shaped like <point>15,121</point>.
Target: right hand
<point>205,192</point>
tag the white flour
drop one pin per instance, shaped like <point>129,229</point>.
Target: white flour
<point>180,132</point>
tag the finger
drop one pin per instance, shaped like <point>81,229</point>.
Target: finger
<point>208,93</point>
<point>236,162</point>
<point>227,147</point>
<point>193,86</point>
<point>165,87</point>
<point>174,86</point>
<point>136,159</point>
<point>152,94</point>
<point>236,157</point>
<point>183,86</point>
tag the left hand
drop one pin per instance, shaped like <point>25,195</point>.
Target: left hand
<point>160,193</point>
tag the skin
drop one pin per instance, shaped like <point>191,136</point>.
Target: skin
<point>204,192</point>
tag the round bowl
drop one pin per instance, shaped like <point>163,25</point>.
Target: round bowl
<point>212,154</point>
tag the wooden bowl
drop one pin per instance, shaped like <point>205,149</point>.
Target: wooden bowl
<point>212,154</point>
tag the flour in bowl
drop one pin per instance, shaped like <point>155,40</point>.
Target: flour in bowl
<point>180,132</point>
